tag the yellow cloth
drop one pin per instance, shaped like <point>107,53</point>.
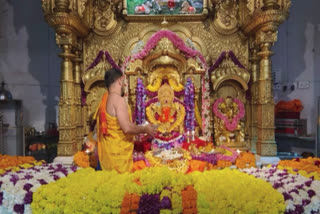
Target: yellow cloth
<point>114,148</point>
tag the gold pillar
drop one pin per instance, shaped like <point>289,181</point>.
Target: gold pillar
<point>254,59</point>
<point>78,107</point>
<point>266,145</point>
<point>66,146</point>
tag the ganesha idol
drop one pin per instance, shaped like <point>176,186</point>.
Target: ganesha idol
<point>168,113</point>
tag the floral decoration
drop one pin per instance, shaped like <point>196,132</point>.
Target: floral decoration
<point>17,188</point>
<point>21,166</point>
<point>230,191</point>
<point>81,159</point>
<point>158,190</point>
<point>308,167</point>
<point>140,109</point>
<point>12,161</point>
<point>246,160</point>
<point>230,125</point>
<point>189,120</point>
<point>301,194</point>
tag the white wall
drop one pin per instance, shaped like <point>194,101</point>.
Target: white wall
<point>28,60</point>
<point>297,59</point>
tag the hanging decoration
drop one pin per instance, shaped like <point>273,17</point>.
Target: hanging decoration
<point>140,109</point>
<point>189,121</point>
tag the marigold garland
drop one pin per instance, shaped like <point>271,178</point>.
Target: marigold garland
<point>81,159</point>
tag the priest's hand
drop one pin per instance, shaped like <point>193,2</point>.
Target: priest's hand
<point>151,129</point>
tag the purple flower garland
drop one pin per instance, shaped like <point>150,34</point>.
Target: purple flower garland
<point>96,60</point>
<point>94,64</point>
<point>189,122</point>
<point>140,110</point>
<point>222,56</point>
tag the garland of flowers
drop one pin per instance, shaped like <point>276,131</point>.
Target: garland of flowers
<point>301,194</point>
<point>17,188</point>
<point>206,132</point>
<point>140,110</point>
<point>96,60</point>
<point>175,142</point>
<point>233,57</point>
<point>99,57</point>
<point>177,87</point>
<point>189,121</point>
<point>111,61</point>
<point>230,125</point>
<point>153,41</point>
<point>81,159</point>
<point>227,154</point>
<point>155,86</point>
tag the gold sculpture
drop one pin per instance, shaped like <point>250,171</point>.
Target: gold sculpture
<point>246,27</point>
<point>223,136</point>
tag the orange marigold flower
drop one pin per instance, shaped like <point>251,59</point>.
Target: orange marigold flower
<point>81,159</point>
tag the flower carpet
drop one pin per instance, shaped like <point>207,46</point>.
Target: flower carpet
<point>227,183</point>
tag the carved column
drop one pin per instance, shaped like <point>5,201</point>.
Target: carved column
<point>78,108</point>
<point>254,59</point>
<point>266,145</point>
<point>67,113</point>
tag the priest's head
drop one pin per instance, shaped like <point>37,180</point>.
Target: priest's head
<point>114,81</point>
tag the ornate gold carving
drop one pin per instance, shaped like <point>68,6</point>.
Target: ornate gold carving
<point>104,18</point>
<point>62,6</point>
<point>267,149</point>
<point>284,4</point>
<point>254,5</point>
<point>66,149</point>
<point>270,5</point>
<point>78,6</point>
<point>47,6</point>
<point>266,37</point>
<point>227,70</point>
<point>226,22</point>
<point>267,21</point>
<point>95,74</point>
<point>67,23</point>
<point>66,39</point>
<point>95,94</point>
